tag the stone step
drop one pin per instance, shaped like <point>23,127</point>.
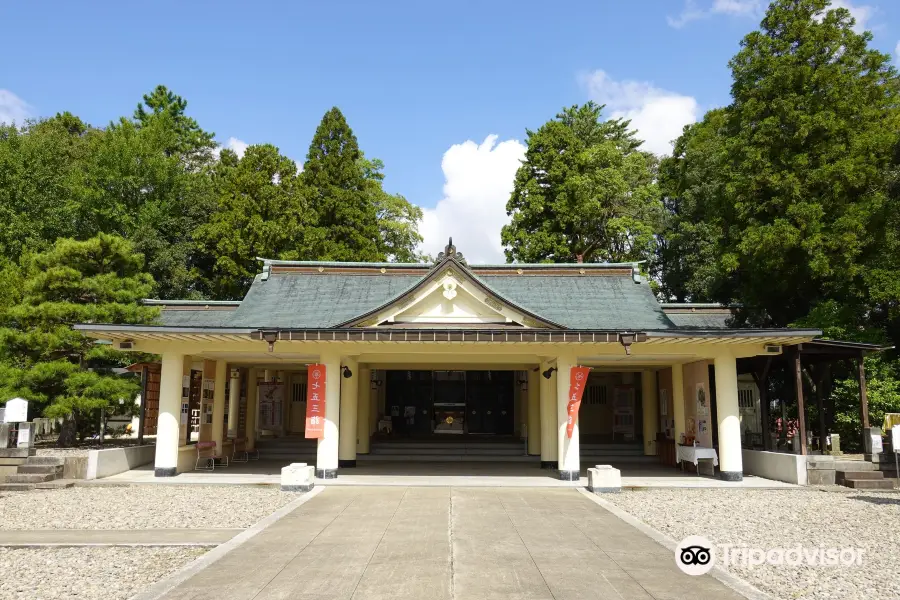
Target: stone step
<point>869,484</point>
<point>54,469</point>
<point>854,465</point>
<point>46,460</point>
<point>841,475</point>
<point>30,477</point>
<point>17,452</point>
<point>54,485</point>
<point>16,487</point>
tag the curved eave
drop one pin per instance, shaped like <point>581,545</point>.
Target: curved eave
<point>430,277</point>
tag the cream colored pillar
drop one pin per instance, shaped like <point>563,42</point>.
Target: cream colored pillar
<point>218,416</point>
<point>349,413</point>
<point>650,406</point>
<point>234,394</point>
<point>534,411</point>
<point>730,460</point>
<point>569,453</point>
<point>252,407</point>
<point>364,418</point>
<point>678,401</point>
<point>549,447</point>
<point>328,445</point>
<point>169,419</point>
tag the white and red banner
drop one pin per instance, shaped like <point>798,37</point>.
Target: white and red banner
<point>315,402</point>
<point>577,381</point>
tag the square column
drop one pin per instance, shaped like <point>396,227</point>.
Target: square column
<point>650,406</point>
<point>349,409</point>
<point>252,407</point>
<point>549,448</point>
<point>327,448</point>
<point>168,424</point>
<point>569,452</point>
<point>534,411</point>
<point>234,394</point>
<point>364,418</point>
<point>678,401</point>
<point>730,460</point>
<point>218,416</point>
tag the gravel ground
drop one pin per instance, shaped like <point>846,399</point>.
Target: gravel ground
<point>139,507</point>
<point>768,519</point>
<point>89,573</point>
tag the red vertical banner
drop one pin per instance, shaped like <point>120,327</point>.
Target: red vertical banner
<point>577,381</point>
<point>315,402</point>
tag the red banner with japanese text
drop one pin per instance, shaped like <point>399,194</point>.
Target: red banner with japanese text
<point>315,402</point>
<point>577,382</point>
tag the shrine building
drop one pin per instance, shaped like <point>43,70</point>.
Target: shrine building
<point>453,352</point>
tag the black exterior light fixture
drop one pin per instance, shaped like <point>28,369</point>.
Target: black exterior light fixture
<point>346,372</point>
<point>270,336</point>
<point>549,372</point>
<point>627,339</point>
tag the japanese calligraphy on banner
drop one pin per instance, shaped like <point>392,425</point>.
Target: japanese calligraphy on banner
<point>577,382</point>
<point>315,402</point>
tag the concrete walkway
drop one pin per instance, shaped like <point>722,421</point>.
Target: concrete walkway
<point>116,537</point>
<point>448,543</point>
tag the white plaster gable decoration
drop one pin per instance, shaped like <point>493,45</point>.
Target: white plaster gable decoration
<point>449,289</point>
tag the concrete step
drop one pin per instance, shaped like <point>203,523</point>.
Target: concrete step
<point>869,484</point>
<point>50,469</point>
<point>30,477</point>
<point>16,487</point>
<point>17,452</point>
<point>46,460</point>
<point>841,476</point>
<point>854,465</point>
<point>57,484</point>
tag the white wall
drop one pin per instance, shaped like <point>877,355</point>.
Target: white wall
<point>103,463</point>
<point>790,468</point>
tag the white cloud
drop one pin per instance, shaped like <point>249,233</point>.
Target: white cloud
<point>658,115</point>
<point>897,53</point>
<point>478,179</point>
<point>237,146</point>
<point>693,11</point>
<point>739,8</point>
<point>13,109</point>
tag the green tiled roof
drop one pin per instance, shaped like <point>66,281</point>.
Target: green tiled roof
<point>195,318</point>
<point>700,320</point>
<point>298,300</point>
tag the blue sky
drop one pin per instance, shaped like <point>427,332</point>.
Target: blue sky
<point>441,92</point>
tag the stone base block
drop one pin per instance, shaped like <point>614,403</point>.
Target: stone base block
<point>569,475</point>
<point>326,473</point>
<point>604,478</point>
<point>297,477</point>
<point>165,471</point>
<point>731,475</point>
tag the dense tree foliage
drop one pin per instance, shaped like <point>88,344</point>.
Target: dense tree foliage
<point>65,374</point>
<point>585,191</point>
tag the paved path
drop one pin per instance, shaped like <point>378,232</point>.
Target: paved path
<point>448,543</point>
<point>117,537</point>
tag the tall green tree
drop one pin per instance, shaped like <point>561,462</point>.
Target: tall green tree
<point>339,193</point>
<point>398,218</point>
<point>261,212</point>
<point>584,192</point>
<point>42,358</point>
<point>191,143</point>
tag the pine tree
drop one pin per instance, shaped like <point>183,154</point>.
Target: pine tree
<point>339,194</point>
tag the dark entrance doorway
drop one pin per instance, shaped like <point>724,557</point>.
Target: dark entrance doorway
<point>451,402</point>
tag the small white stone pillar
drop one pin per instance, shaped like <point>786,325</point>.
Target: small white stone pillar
<point>364,417</point>
<point>569,451</point>
<point>297,477</point>
<point>549,446</point>
<point>327,448</point>
<point>604,478</point>
<point>349,408</point>
<point>168,422</point>
<point>26,435</point>
<point>218,415</point>
<point>533,379</point>
<point>234,394</point>
<point>727,412</point>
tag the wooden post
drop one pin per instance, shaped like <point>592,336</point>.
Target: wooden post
<point>801,408</point>
<point>145,376</point>
<point>820,402</point>
<point>762,383</point>
<point>863,397</point>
